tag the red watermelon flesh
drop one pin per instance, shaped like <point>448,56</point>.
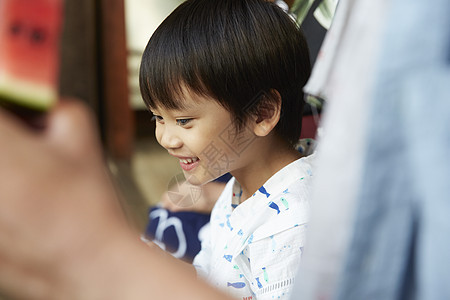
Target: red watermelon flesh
<point>29,52</point>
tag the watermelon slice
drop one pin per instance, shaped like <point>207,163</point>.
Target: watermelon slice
<point>29,53</point>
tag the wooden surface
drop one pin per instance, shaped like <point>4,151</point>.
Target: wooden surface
<point>94,68</point>
<point>118,118</point>
<point>79,68</point>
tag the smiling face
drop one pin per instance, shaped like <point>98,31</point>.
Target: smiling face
<point>203,137</point>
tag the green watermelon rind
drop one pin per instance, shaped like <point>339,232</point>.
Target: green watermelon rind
<point>29,95</point>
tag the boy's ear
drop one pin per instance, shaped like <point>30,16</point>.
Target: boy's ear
<point>267,114</point>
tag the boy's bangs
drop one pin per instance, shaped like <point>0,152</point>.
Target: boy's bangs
<point>168,66</point>
<point>164,85</point>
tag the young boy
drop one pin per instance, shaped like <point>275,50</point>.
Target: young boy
<point>224,81</point>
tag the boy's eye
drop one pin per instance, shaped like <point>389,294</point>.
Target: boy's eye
<point>183,122</point>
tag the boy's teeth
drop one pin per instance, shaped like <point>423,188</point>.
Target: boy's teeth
<point>189,160</point>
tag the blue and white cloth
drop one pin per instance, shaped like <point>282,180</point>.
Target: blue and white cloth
<point>178,233</point>
<point>400,247</point>
<point>344,76</point>
<point>396,243</point>
<point>252,250</point>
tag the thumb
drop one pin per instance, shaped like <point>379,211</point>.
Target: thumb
<point>72,128</point>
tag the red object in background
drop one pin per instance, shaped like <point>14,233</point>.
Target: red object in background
<point>29,51</point>
<point>309,126</point>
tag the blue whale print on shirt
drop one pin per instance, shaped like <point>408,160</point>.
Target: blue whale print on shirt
<point>273,205</point>
<point>259,283</point>
<point>250,239</point>
<point>264,192</point>
<point>236,285</point>
<point>228,257</point>
<point>228,223</point>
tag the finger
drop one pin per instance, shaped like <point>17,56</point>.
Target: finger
<point>71,127</point>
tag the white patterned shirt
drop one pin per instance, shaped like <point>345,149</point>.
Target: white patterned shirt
<point>252,250</point>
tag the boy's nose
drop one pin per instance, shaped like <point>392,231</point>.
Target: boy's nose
<point>168,138</point>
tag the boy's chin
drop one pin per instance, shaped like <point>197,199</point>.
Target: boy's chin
<point>199,179</point>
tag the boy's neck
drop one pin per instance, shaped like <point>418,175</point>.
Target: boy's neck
<point>267,158</point>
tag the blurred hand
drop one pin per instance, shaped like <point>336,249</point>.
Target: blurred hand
<point>57,205</point>
<point>63,233</point>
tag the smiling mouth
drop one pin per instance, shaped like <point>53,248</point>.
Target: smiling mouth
<point>188,160</point>
<point>188,164</point>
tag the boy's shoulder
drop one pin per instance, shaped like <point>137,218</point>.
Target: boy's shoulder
<point>293,176</point>
<point>291,179</point>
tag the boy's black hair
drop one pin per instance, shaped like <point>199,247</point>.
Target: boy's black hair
<point>233,51</point>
